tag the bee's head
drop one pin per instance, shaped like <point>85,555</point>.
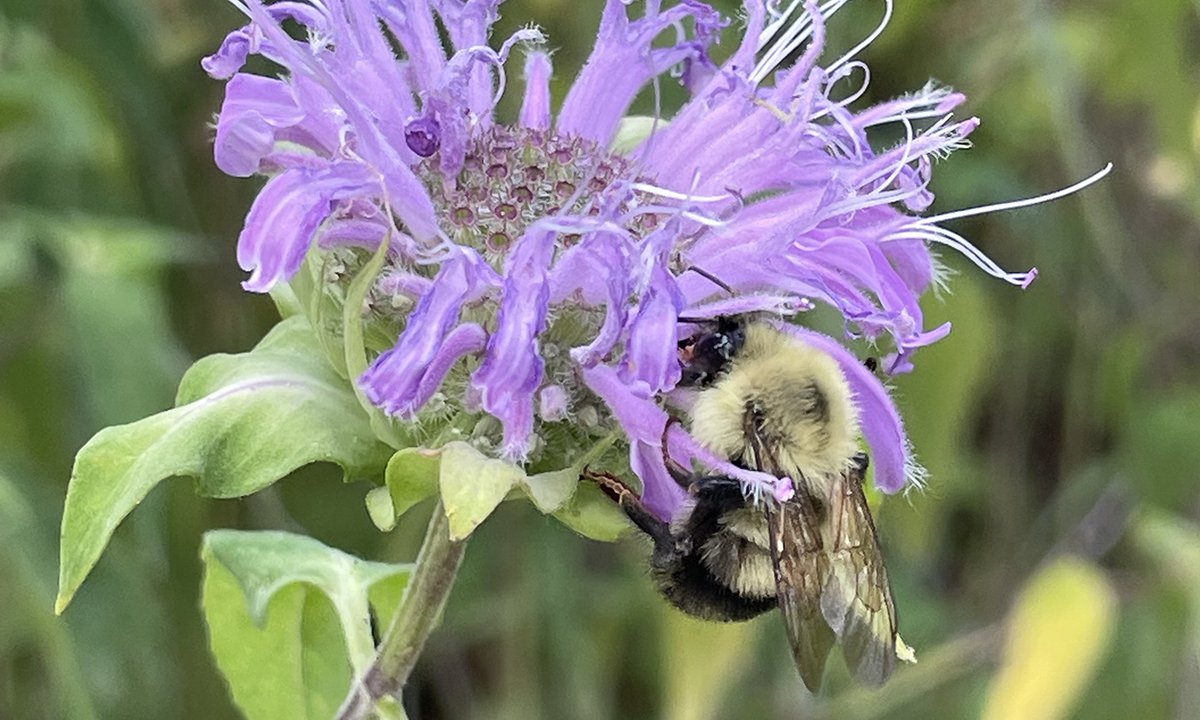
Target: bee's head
<point>707,354</point>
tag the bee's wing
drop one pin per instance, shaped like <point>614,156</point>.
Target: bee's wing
<point>801,569</point>
<point>801,565</point>
<point>857,599</point>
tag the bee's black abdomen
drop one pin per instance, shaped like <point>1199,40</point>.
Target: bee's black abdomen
<point>689,586</point>
<point>680,573</point>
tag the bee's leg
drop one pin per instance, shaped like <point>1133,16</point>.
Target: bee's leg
<point>681,475</point>
<point>634,508</point>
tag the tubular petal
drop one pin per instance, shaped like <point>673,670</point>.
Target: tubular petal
<point>535,107</point>
<point>285,216</point>
<point>623,61</point>
<point>513,366</point>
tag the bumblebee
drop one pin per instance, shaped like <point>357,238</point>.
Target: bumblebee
<point>767,401</point>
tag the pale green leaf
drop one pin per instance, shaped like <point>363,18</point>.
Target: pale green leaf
<point>412,476</point>
<point>293,666</point>
<point>288,619</point>
<point>1058,633</point>
<point>244,422</point>
<point>592,514</point>
<point>472,485</point>
<point>550,491</point>
<point>380,508</point>
<point>385,596</point>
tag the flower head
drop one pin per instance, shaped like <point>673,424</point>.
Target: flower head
<point>535,275</point>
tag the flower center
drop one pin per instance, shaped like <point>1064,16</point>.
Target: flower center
<point>512,177</point>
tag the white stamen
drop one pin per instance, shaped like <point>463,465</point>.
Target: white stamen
<point>853,97</point>
<point>904,158</point>
<point>674,195</point>
<point>485,54</point>
<point>669,210</point>
<point>952,239</point>
<point>872,199</point>
<point>929,96</point>
<point>800,30</point>
<point>781,18</point>
<point>887,17</point>
<point>842,120</point>
<point>1012,204</point>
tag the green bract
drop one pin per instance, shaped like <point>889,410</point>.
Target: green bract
<point>242,422</point>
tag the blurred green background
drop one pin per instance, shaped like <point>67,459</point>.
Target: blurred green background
<point>1051,569</point>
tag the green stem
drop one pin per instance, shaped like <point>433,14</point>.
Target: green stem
<point>420,610</point>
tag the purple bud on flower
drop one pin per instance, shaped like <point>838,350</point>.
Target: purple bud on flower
<point>423,136</point>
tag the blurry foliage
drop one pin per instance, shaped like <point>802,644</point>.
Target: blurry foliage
<point>1059,632</point>
<point>1045,418</point>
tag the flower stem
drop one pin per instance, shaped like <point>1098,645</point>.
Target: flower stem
<point>421,608</point>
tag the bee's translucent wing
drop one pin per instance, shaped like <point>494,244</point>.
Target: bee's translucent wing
<point>801,569</point>
<point>857,598</point>
<point>801,564</point>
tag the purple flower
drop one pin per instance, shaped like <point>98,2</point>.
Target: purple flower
<point>545,271</point>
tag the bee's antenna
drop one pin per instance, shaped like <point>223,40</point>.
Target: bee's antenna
<point>711,278</point>
<point>693,320</point>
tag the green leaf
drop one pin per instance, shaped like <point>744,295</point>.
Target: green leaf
<point>288,619</point>
<point>412,476</point>
<point>550,491</point>
<point>244,422</point>
<point>472,485</point>
<point>118,336</point>
<point>385,596</point>
<point>592,514</point>
<point>54,110</point>
<point>124,352</point>
<point>381,509</point>
<point>1059,632</point>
